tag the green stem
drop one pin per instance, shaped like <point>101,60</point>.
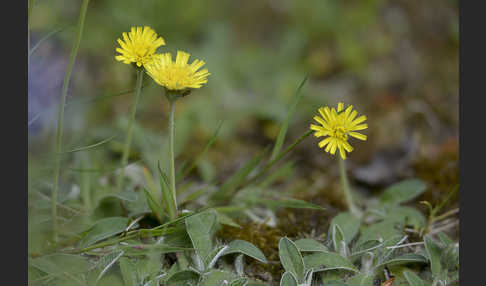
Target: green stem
<point>347,191</point>
<point>172,101</point>
<point>128,139</point>
<point>67,77</point>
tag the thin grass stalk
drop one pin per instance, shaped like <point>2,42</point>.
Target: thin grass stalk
<point>128,139</point>
<point>171,155</point>
<point>278,158</point>
<point>347,191</point>
<point>67,77</point>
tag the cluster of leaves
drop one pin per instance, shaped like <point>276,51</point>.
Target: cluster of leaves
<point>360,255</point>
<point>145,260</point>
<point>185,251</point>
<point>365,263</point>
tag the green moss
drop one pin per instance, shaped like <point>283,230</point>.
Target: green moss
<point>264,237</point>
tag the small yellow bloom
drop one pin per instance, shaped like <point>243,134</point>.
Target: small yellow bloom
<point>177,75</point>
<point>337,125</point>
<point>138,46</point>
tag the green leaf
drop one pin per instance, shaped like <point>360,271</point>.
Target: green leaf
<point>125,195</point>
<point>166,192</point>
<point>103,229</point>
<point>336,283</point>
<point>151,187</point>
<point>239,282</point>
<point>283,130</point>
<point>188,277</point>
<point>153,204</point>
<point>408,215</point>
<point>217,277</point>
<point>384,253</point>
<point>348,223</point>
<point>290,203</point>
<point>338,241</point>
<point>402,192</point>
<point>366,247</point>
<point>106,262</point>
<point>201,228</point>
<point>413,279</point>
<point>361,280</point>
<point>450,257</point>
<point>434,253</point>
<point>329,260</point>
<point>405,258</point>
<point>382,230</point>
<point>58,263</point>
<point>226,220</point>
<point>310,245</point>
<point>128,271</point>
<point>446,240</point>
<point>241,246</point>
<point>145,249</point>
<point>291,259</point>
<point>288,279</point>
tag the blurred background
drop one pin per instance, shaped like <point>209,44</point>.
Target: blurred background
<point>396,61</point>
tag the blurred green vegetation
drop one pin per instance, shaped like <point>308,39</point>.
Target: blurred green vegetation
<point>396,61</point>
<point>258,51</point>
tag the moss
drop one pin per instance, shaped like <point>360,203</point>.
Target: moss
<point>265,238</point>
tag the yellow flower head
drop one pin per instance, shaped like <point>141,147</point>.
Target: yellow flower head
<point>337,125</point>
<point>138,46</point>
<point>178,75</point>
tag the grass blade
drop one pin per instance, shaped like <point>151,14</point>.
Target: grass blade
<point>279,157</point>
<point>50,34</point>
<point>285,125</point>
<point>89,146</point>
<point>65,85</point>
<point>166,193</point>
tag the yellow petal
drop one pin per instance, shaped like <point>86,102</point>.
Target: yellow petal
<point>346,146</point>
<point>333,148</point>
<point>324,142</point>
<point>359,120</point>
<point>342,152</point>
<point>347,111</point>
<point>340,107</point>
<point>359,127</point>
<point>357,135</point>
<point>319,119</point>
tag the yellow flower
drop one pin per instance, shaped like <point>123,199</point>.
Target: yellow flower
<point>138,46</point>
<point>178,75</point>
<point>337,125</point>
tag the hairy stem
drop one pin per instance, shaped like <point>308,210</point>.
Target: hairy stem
<point>171,155</point>
<point>128,138</point>
<point>67,77</point>
<point>347,191</point>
